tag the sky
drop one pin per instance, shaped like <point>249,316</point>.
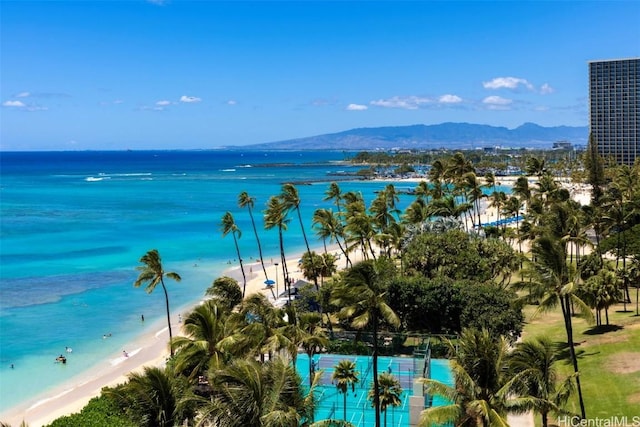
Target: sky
<point>177,74</point>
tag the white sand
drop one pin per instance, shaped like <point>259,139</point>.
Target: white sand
<point>149,350</point>
<point>152,349</point>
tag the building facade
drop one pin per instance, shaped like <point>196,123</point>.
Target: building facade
<point>614,98</point>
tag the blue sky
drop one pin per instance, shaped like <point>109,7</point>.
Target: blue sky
<point>200,74</point>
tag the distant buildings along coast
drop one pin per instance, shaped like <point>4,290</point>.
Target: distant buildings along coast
<point>614,99</point>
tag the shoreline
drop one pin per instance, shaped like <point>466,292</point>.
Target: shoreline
<point>150,348</point>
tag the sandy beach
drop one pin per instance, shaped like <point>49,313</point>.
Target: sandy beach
<point>151,349</point>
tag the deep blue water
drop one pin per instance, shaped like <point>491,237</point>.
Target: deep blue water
<point>74,225</point>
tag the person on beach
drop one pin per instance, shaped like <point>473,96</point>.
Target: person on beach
<point>61,359</point>
<point>142,317</point>
<point>124,353</point>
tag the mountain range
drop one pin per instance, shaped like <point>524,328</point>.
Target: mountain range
<point>447,135</point>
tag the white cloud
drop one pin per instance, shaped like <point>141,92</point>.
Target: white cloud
<point>118,101</point>
<point>497,102</point>
<point>507,82</point>
<point>163,103</point>
<point>17,104</point>
<point>356,107</point>
<point>23,95</point>
<point>189,99</point>
<point>546,89</point>
<point>449,99</point>
<point>232,102</point>
<point>408,103</point>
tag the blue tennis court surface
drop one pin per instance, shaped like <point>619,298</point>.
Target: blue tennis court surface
<point>359,410</point>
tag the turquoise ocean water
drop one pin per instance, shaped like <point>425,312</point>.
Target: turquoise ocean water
<point>74,225</point>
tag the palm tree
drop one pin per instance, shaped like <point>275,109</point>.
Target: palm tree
<point>262,332</point>
<point>152,273</point>
<point>334,193</point>
<point>226,292</point>
<point>345,376</point>
<point>361,296</point>
<point>535,166</point>
<point>601,291</point>
<point>313,338</point>
<point>553,284</point>
<point>328,226</point>
<point>245,200</point>
<point>390,393</point>
<point>275,216</point>
<point>479,395</point>
<point>535,379</point>
<point>475,194</point>
<point>291,201</point>
<point>248,393</point>
<point>447,207</point>
<point>201,347</point>
<point>228,225</point>
<point>359,227</point>
<point>153,395</point>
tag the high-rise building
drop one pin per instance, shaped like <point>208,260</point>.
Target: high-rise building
<point>614,98</point>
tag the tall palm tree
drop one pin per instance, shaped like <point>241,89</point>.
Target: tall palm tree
<point>554,283</point>
<point>152,273</point>
<point>535,379</point>
<point>334,193</point>
<point>228,225</point>
<point>275,216</point>
<point>244,200</point>
<point>390,393</point>
<point>344,377</point>
<point>361,296</point>
<point>291,201</point>
<point>359,228</point>
<point>328,226</point>
<point>521,189</point>
<point>475,194</point>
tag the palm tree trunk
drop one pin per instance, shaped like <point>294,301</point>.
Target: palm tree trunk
<point>306,242</point>
<point>255,231</point>
<point>566,313</point>
<point>244,277</point>
<point>344,407</point>
<point>376,387</point>
<point>166,300</point>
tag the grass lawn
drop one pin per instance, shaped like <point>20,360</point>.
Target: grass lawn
<point>608,359</point>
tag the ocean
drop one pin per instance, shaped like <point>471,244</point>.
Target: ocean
<point>73,226</point>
